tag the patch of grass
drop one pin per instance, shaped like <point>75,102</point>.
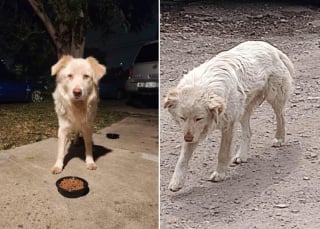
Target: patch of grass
<point>25,123</point>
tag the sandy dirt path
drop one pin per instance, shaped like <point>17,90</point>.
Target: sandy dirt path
<point>278,187</point>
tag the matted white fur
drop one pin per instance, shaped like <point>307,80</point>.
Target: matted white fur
<point>76,100</point>
<point>223,91</point>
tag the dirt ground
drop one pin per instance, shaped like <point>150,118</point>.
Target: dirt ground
<point>278,187</point>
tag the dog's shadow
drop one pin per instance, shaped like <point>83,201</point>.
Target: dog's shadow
<point>77,150</point>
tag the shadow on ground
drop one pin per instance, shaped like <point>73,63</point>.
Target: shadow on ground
<point>78,151</point>
<point>143,101</point>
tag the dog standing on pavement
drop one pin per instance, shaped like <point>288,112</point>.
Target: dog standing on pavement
<point>76,101</point>
<point>226,90</point>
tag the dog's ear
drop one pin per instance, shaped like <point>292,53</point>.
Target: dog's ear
<point>216,106</point>
<point>171,99</point>
<point>60,64</point>
<point>99,69</point>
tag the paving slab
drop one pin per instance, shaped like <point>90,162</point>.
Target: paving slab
<point>123,190</point>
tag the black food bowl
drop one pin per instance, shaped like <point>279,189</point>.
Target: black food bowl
<point>112,135</point>
<point>72,186</point>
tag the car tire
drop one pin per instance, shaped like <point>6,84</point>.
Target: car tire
<point>119,94</point>
<point>36,96</point>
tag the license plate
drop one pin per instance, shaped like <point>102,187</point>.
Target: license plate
<point>140,84</point>
<point>151,84</point>
<point>148,84</point>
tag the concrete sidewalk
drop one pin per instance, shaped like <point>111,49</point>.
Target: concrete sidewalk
<point>123,190</point>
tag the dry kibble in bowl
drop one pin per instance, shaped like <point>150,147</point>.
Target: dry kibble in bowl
<point>71,184</point>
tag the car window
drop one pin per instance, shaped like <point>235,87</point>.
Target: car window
<point>148,53</point>
<point>3,69</point>
<point>5,73</point>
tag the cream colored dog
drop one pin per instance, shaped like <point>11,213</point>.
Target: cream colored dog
<point>76,100</point>
<point>223,91</point>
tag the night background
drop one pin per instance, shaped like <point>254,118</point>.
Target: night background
<point>113,32</point>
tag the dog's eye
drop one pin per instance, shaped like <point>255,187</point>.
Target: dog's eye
<point>85,76</point>
<point>198,119</point>
<point>70,76</point>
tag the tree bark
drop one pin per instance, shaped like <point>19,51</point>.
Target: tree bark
<point>63,37</point>
<point>39,9</point>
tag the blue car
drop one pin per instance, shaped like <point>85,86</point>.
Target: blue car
<point>112,85</point>
<point>15,88</point>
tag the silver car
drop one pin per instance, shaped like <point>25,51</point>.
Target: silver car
<point>144,76</point>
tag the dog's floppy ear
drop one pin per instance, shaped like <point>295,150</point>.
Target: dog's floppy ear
<point>216,106</point>
<point>60,64</point>
<point>171,99</point>
<point>99,69</point>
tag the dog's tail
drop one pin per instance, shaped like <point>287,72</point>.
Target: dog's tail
<point>289,65</point>
<point>287,62</point>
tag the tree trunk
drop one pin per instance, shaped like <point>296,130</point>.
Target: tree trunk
<point>77,50</point>
<point>63,37</point>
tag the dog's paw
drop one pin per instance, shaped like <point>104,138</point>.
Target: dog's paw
<point>175,185</point>
<point>91,166</point>
<point>217,177</point>
<point>56,170</point>
<point>277,142</point>
<point>238,160</point>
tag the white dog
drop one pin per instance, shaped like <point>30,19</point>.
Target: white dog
<point>225,90</point>
<point>76,100</point>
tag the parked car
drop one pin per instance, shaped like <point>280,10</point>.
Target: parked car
<point>112,85</point>
<point>144,76</point>
<point>16,88</point>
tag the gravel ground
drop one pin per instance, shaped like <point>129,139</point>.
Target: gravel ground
<point>278,187</point>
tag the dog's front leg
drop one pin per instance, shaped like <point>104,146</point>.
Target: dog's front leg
<point>62,143</point>
<point>224,155</point>
<point>181,168</point>
<point>87,136</point>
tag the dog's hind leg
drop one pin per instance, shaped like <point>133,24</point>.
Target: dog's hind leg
<point>224,155</point>
<point>278,99</point>
<point>181,168</point>
<point>278,108</point>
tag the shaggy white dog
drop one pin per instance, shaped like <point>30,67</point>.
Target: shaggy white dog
<point>76,101</point>
<point>223,91</point>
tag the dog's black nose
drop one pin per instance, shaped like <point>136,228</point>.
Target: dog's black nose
<point>188,137</point>
<point>77,92</point>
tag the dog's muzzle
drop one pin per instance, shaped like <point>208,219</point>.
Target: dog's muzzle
<point>77,93</point>
<point>188,137</point>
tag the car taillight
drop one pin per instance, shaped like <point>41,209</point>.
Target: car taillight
<point>130,71</point>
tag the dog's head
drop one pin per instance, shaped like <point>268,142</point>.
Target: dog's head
<point>77,76</point>
<point>195,110</point>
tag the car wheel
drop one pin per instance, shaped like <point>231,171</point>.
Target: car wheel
<point>36,96</point>
<point>119,94</point>
<point>131,97</point>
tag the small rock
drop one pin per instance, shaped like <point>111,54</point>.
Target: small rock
<point>177,146</point>
<point>281,206</point>
<point>295,211</point>
<point>236,201</point>
<point>276,165</point>
<point>258,16</point>
<point>313,155</point>
<point>306,178</point>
